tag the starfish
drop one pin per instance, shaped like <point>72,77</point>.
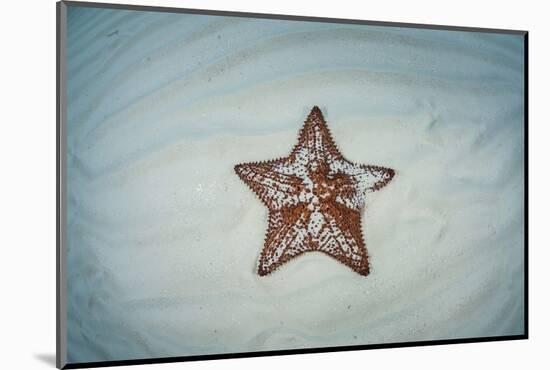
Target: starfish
<point>314,197</point>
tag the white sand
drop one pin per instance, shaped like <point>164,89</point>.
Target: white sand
<point>164,238</point>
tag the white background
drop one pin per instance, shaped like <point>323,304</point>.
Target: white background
<point>28,182</point>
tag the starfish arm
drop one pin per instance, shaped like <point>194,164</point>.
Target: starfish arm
<point>315,142</point>
<point>269,181</point>
<point>360,180</point>
<point>342,239</point>
<point>286,238</point>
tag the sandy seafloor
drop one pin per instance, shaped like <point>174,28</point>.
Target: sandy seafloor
<point>163,238</point>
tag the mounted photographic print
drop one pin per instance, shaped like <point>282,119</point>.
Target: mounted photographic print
<point>236,184</point>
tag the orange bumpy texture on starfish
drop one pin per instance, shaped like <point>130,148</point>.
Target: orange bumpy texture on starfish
<point>314,197</point>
